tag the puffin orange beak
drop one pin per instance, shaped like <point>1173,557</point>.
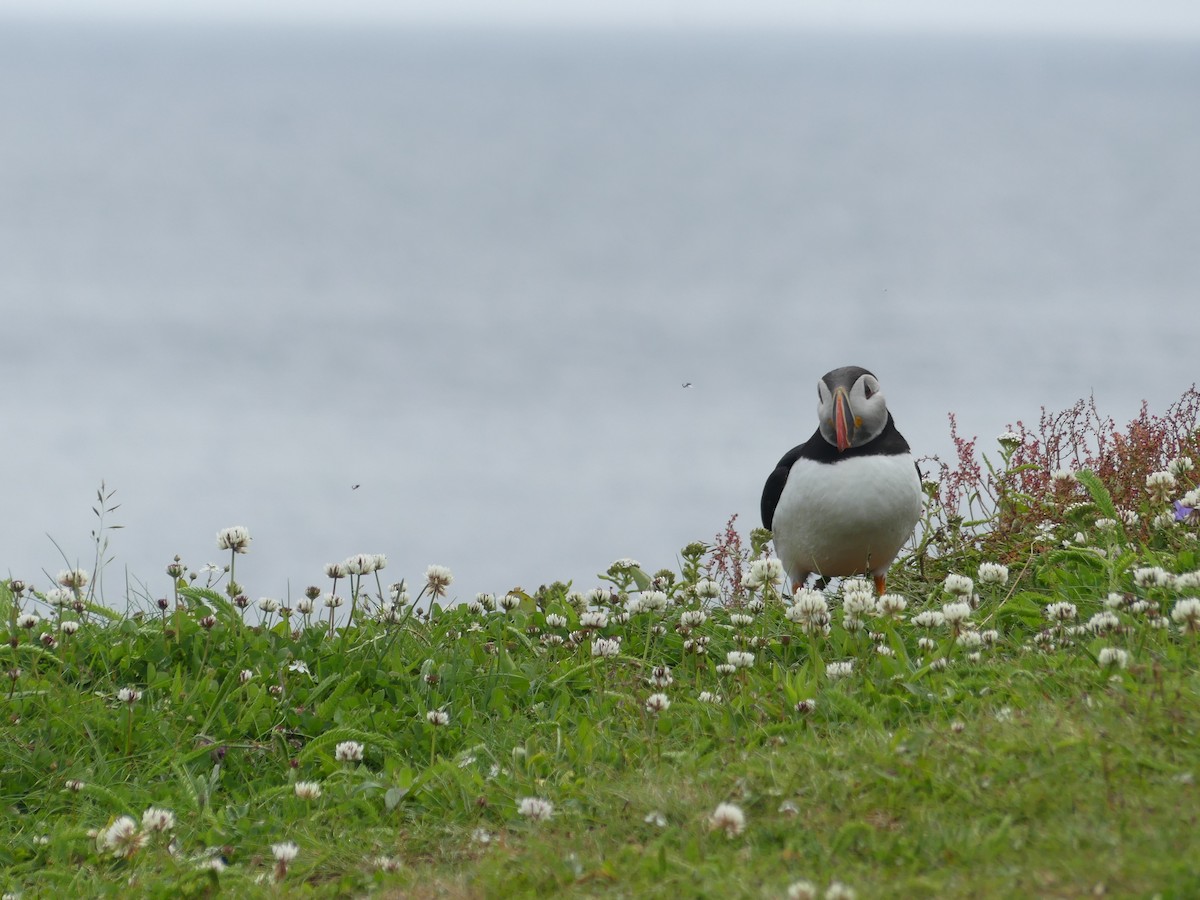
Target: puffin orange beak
<point>843,425</point>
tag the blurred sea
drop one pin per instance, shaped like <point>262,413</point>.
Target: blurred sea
<point>242,271</point>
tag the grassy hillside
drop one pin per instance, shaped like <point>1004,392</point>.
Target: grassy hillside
<point>1018,717</point>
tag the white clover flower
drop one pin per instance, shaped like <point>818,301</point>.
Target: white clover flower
<point>1153,576</point>
<point>299,666</point>
<point>245,675</point>
<point>969,640</point>
<point>536,809</point>
<point>129,696</point>
<point>285,852</point>
<point>741,620</point>
<point>657,703</point>
<point>593,618</point>
<point>1103,622</point>
<point>1061,611</point>
<point>304,606</point>
<point>358,564</point>
<point>1181,465</point>
<point>954,614</point>
<point>348,751</point>
<point>122,837</point>
<point>656,818</point>
<point>60,597</point>
<point>839,669</point>
<point>693,618</point>
<point>892,605</point>
<point>236,539</point>
<point>926,644</point>
<point>858,603</point>
<point>660,677</point>
<point>27,620</point>
<point>929,618</point>
<point>1188,581</point>
<point>725,668</point>
<point>806,706</point>
<point>1186,615</point>
<point>839,891</point>
<point>1063,476</point>
<point>606,648</point>
<point>707,589</point>
<point>508,602</point>
<point>992,573</point>
<point>398,592</point>
<point>155,819</point>
<point>1102,524</point>
<point>655,600</point>
<point>959,585</point>
<point>268,604</point>
<point>73,578</point>
<point>332,601</point>
<point>554,620</point>
<point>1112,656</point>
<point>729,818</point>
<point>1161,486</point>
<point>336,570</point>
<point>763,573</point>
<point>437,717</point>
<point>802,890</point>
<point>739,659</point>
<point>308,790</point>
<point>438,580</point>
<point>1128,517</point>
<point>709,697</point>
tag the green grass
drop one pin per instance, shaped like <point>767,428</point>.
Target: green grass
<point>1026,770</point>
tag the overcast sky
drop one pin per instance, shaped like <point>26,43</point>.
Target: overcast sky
<point>1161,18</point>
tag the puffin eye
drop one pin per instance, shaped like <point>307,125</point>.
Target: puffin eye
<point>867,392</point>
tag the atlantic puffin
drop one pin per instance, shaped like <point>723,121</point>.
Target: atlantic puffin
<point>844,502</point>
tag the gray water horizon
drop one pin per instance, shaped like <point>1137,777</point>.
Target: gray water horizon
<point>244,270</point>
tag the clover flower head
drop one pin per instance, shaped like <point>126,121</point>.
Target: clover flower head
<point>739,659</point>
<point>929,618</point>
<point>729,818</point>
<point>304,606</point>
<point>129,696</point>
<point>992,573</point>
<point>437,717</point>
<point>348,751</point>
<point>802,890</point>
<point>657,703</point>
<point>1153,576</point>
<point>892,605</point>
<point>555,620</point>
<point>955,614</point>
<point>1186,614</point>
<point>73,578</point>
<point>1112,657</point>
<point>709,697</point>
<point>594,618</point>
<point>236,538</point>
<point>1061,611</point>
<point>438,580</point>
<point>606,648</point>
<point>536,809</point>
<point>707,589</point>
<point>839,669</point>
<point>308,790</point>
<point>60,597</point>
<point>268,604</point>
<point>122,837</point>
<point>1181,465</point>
<point>157,819</point>
<point>693,618</point>
<point>959,585</point>
<point>508,602</point>
<point>28,620</point>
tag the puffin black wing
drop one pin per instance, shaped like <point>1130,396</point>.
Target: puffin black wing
<point>773,489</point>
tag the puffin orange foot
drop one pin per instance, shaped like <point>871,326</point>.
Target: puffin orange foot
<point>880,585</point>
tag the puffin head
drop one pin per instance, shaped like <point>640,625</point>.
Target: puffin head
<point>852,410</point>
